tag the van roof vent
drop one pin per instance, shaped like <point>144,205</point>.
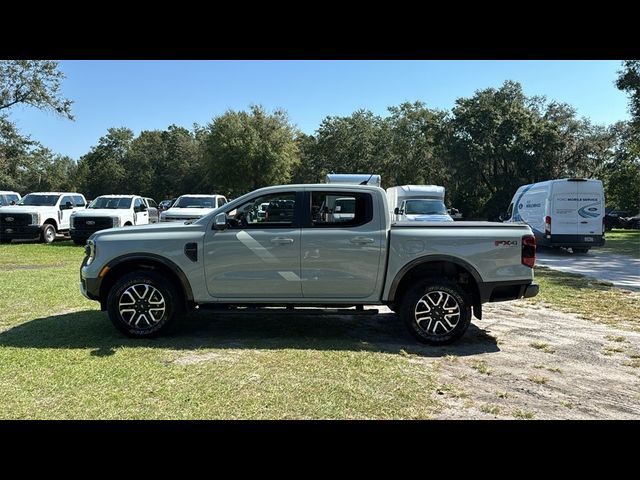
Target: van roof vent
<point>576,179</point>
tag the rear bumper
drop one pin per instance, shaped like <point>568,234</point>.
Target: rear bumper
<point>505,291</point>
<point>26,232</point>
<point>570,240</point>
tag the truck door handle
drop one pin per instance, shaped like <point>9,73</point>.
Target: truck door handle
<point>362,240</point>
<point>584,222</point>
<point>281,240</point>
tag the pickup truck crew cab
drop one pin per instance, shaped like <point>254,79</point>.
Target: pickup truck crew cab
<point>39,215</point>
<point>432,274</point>
<point>109,211</point>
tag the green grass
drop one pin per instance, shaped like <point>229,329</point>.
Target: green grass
<point>60,358</point>
<point>625,242</point>
<point>545,347</point>
<point>591,299</point>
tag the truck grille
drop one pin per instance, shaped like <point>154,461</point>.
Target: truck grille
<point>83,227</point>
<point>15,219</point>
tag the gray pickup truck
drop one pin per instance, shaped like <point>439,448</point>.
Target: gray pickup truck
<point>433,275</point>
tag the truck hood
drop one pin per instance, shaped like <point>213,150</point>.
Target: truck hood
<point>155,229</point>
<point>100,212</point>
<point>27,209</point>
<point>428,218</point>
<point>188,212</point>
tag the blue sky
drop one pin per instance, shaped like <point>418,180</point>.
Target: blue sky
<point>146,95</point>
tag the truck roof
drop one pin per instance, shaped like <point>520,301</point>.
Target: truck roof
<point>201,195</point>
<point>417,190</point>
<point>54,193</point>
<point>113,195</point>
<point>558,180</point>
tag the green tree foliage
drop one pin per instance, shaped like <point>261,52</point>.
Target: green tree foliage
<point>33,82</point>
<point>359,143</point>
<point>248,150</point>
<point>104,165</point>
<point>629,82</point>
<point>501,139</point>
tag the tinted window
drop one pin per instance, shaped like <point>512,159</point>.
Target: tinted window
<point>111,203</point>
<point>39,200</point>
<point>137,204</point>
<point>195,202</point>
<point>340,209</point>
<point>221,201</point>
<point>424,207</point>
<point>67,199</point>
<point>78,201</point>
<point>278,212</point>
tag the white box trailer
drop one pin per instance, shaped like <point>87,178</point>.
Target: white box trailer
<point>567,212</point>
<point>418,203</point>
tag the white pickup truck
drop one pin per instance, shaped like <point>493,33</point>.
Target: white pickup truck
<point>192,207</point>
<point>39,215</point>
<point>108,211</point>
<point>433,274</point>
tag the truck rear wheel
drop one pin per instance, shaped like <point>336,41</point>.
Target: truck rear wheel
<point>143,304</point>
<point>436,312</point>
<point>48,234</point>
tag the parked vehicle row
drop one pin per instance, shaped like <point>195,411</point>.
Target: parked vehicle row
<point>44,215</point>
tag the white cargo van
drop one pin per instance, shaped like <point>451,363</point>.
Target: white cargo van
<point>568,212</point>
<point>417,203</point>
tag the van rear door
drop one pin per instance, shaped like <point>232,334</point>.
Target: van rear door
<point>590,207</point>
<point>564,216</point>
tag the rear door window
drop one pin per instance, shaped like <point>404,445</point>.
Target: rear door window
<point>340,209</point>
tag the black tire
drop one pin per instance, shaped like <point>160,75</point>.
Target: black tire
<point>580,250</point>
<point>443,330</point>
<point>126,322</point>
<point>48,234</point>
<point>79,241</point>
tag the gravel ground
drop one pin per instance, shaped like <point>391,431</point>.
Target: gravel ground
<point>545,365</point>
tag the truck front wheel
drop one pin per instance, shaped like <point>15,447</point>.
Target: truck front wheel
<point>436,312</point>
<point>48,233</point>
<point>143,304</point>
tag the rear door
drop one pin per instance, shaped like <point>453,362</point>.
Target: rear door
<point>590,208</point>
<point>564,212</point>
<point>341,253</point>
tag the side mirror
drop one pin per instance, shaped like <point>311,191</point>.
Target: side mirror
<point>12,202</point>
<point>396,211</point>
<point>143,208</point>
<point>220,222</point>
<point>66,206</point>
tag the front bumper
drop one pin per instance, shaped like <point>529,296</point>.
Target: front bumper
<point>24,232</point>
<point>89,286</point>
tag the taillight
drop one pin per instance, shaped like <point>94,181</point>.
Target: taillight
<point>529,250</point>
<point>547,225</point>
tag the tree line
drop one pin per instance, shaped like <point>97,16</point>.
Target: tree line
<point>481,150</point>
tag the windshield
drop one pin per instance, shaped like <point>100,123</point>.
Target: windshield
<point>424,207</point>
<point>111,203</point>
<point>195,202</point>
<point>39,200</point>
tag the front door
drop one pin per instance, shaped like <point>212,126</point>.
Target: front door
<point>256,257</point>
<point>65,211</point>
<point>342,243</point>
<point>140,212</point>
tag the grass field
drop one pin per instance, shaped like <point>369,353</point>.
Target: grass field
<point>61,358</point>
<point>593,300</point>
<point>626,242</point>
